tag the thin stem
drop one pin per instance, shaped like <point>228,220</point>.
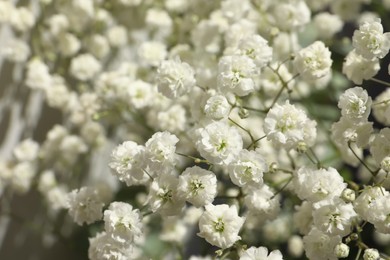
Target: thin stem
<point>241,127</point>
<point>150,176</point>
<point>196,160</point>
<point>284,186</point>
<point>381,82</point>
<point>358,254</point>
<point>255,141</point>
<point>374,173</point>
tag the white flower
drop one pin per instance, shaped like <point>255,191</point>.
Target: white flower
<point>69,44</point>
<point>381,109</point>
<point>141,94</point>
<point>380,211</point>
<point>160,152</point>
<point>346,130</point>
<point>84,67</point>
<point>164,197</point>
<point>313,62</point>
<point>152,53</point>
<point>334,217</point>
<point>292,14</point>
<point>341,250</point>
<point>364,203</point>
<point>103,247</point>
<point>27,150</point>
<point>16,50</point>
<point>262,201</point>
<point>247,169</point>
<point>217,107</point>
<point>327,24</point>
<point>220,225</point>
<point>303,218</point>
<point>175,78</point>
<point>198,186</point>
<point>22,19</point>
<point>85,205</point>
<point>315,185</point>
<point>371,254</point>
<point>173,119</point>
<point>320,246</point>
<point>98,46</point>
<point>256,48</point>
<point>370,41</point>
<point>260,253</point>
<point>22,177</point>
<point>355,103</point>
<point>126,163</point>
<point>117,36</point>
<point>357,68</point>
<point>174,230</point>
<point>380,146</point>
<point>235,74</point>
<point>123,223</point>
<point>38,76</point>
<point>287,126</point>
<point>218,142</point>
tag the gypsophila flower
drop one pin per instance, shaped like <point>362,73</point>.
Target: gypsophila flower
<point>314,61</point>
<point>164,196</point>
<point>364,202</point>
<point>334,217</point>
<point>318,184</point>
<point>175,78</point>
<point>103,247</point>
<point>84,67</point>
<point>355,103</point>
<point>247,169</point>
<point>327,24</point>
<point>235,74</point>
<point>218,142</point>
<point>320,246</point>
<point>123,223</point>
<point>27,150</point>
<point>292,14</point>
<point>341,250</point>
<point>217,107</point>
<point>263,201</point>
<point>85,205</point>
<point>220,225</point>
<point>370,41</point>
<point>126,163</point>
<point>381,109</point>
<point>160,152</point>
<point>260,253</point>
<point>380,146</point>
<point>286,126</point>
<point>357,68</point>
<point>346,130</point>
<point>371,254</point>
<point>197,186</point>
<point>256,48</point>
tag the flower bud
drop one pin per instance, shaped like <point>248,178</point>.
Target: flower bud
<point>348,195</point>
<point>385,164</point>
<point>371,254</point>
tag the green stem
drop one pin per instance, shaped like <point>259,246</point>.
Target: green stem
<point>380,82</point>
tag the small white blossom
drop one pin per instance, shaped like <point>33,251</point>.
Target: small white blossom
<point>371,254</point>
<point>327,24</point>
<point>262,201</point>
<point>103,247</point>
<point>370,41</point>
<point>256,48</point>
<point>260,253</point>
<point>123,223</point>
<point>85,205</point>
<point>126,163</point>
<point>357,68</point>
<point>355,103</point>
<point>84,67</point>
<point>217,107</point>
<point>218,142</point>
<point>320,246</point>
<point>198,186</point>
<point>380,146</point>
<point>160,151</point>
<point>334,217</point>
<point>341,250</point>
<point>381,109</point>
<point>27,150</point>
<point>286,126</point>
<point>247,169</point>
<point>315,185</point>
<point>220,225</point>
<point>175,78</point>
<point>164,196</point>
<point>313,62</point>
<point>235,74</point>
